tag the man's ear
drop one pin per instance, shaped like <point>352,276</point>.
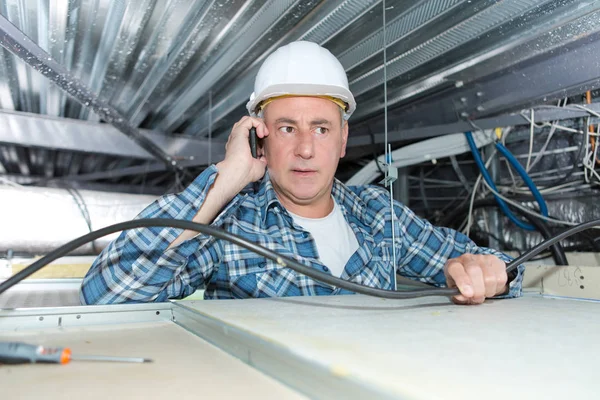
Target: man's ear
<point>344,139</point>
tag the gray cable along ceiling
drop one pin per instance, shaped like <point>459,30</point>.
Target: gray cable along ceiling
<point>85,83</point>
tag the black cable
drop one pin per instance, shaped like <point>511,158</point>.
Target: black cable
<point>220,234</point>
<point>592,241</point>
<point>558,253</point>
<point>547,243</point>
<point>281,260</point>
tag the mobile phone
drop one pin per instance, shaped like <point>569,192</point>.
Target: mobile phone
<point>253,142</point>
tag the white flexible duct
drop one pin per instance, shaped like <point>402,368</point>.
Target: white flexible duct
<point>430,149</point>
<point>38,220</point>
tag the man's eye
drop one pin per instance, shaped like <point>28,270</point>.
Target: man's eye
<point>321,131</point>
<point>286,129</point>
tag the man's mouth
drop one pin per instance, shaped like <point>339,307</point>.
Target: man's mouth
<point>303,171</point>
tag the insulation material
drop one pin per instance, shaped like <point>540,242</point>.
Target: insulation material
<point>577,210</point>
<point>38,220</point>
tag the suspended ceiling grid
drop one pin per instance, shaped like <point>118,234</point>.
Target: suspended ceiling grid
<point>180,73</point>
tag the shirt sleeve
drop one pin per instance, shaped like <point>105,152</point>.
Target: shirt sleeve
<point>138,267</point>
<point>425,248</point>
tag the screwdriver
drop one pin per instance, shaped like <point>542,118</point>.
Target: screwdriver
<point>24,353</point>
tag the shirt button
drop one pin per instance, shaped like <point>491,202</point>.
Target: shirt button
<point>325,269</point>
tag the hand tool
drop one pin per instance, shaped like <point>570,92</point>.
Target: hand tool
<point>24,353</point>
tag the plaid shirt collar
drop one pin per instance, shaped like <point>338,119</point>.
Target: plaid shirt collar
<point>352,205</point>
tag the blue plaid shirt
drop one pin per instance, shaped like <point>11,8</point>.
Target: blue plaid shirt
<point>138,267</point>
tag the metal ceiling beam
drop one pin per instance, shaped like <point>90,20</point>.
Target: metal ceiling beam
<point>542,114</point>
<point>419,14</point>
<point>118,172</point>
<point>21,46</point>
<point>103,187</point>
<point>165,55</point>
<point>111,174</point>
<point>91,137</point>
<point>535,34</point>
<point>471,28</point>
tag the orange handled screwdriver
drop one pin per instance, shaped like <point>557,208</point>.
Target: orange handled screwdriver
<point>24,353</point>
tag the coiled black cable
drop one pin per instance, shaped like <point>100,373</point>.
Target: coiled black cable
<point>283,261</point>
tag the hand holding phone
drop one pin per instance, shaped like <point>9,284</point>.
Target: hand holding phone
<point>246,133</point>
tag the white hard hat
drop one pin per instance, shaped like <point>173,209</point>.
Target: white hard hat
<point>305,69</point>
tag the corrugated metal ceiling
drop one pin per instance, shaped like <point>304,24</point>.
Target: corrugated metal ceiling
<point>187,67</point>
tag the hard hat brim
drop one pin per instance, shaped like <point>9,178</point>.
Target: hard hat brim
<point>302,89</point>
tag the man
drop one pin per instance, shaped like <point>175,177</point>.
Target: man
<point>300,109</point>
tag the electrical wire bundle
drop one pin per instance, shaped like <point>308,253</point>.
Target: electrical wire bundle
<point>563,184</point>
<point>527,179</point>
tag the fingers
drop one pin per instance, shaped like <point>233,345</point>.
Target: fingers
<point>468,277</point>
<point>477,277</point>
<point>248,122</point>
<point>238,140</point>
<point>456,276</point>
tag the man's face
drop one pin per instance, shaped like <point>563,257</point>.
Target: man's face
<point>305,143</point>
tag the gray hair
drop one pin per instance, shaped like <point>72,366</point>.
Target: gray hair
<point>261,114</point>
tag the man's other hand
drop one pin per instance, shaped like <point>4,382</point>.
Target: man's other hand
<point>477,277</point>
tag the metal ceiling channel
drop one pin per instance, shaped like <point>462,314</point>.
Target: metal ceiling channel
<point>551,33</point>
<point>4,159</point>
<point>421,13</point>
<point>230,51</point>
<point>469,29</point>
<point>192,39</point>
<point>2,162</point>
<point>163,58</point>
<point>538,36</point>
<point>119,38</point>
<point>85,17</point>
<point>535,33</point>
<point>328,23</point>
<point>46,22</point>
<point>61,47</point>
<point>221,20</point>
<point>8,82</point>
<point>21,46</point>
<point>20,15</point>
<point>195,48</point>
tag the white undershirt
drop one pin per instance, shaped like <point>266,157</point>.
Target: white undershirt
<point>333,236</point>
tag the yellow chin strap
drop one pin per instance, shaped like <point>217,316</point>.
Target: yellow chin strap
<point>261,106</point>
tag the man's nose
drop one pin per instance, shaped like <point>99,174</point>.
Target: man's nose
<point>305,146</point>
